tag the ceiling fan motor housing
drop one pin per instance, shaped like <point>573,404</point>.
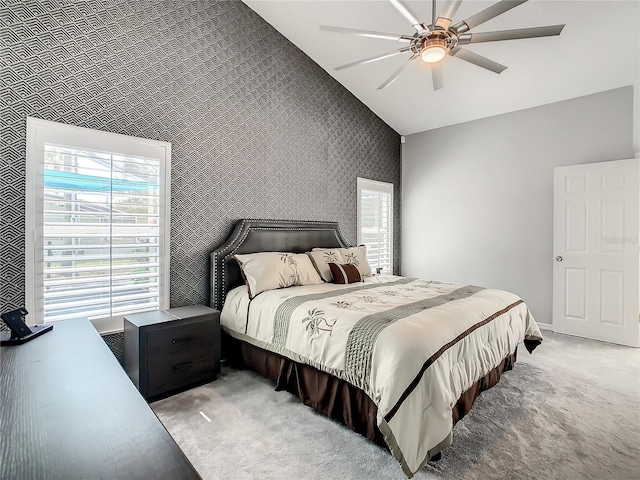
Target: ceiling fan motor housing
<point>441,39</point>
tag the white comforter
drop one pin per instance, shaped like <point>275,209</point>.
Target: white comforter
<point>413,346</point>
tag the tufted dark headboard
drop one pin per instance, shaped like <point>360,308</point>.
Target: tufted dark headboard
<point>251,236</point>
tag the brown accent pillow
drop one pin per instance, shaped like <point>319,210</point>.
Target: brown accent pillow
<point>345,273</point>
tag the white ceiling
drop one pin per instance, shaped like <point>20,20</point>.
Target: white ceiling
<point>599,49</point>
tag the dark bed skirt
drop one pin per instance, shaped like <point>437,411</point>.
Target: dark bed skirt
<point>336,398</point>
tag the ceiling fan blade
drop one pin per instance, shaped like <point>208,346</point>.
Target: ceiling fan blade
<point>367,33</point>
<point>476,59</point>
<point>533,32</point>
<point>447,13</point>
<point>397,73</point>
<point>374,58</point>
<point>485,15</point>
<point>406,13</point>
<point>436,75</point>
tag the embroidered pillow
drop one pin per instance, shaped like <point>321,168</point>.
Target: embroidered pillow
<point>272,270</point>
<point>345,273</point>
<point>321,260</point>
<point>358,257</point>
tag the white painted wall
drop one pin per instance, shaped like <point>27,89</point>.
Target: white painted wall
<point>477,197</point>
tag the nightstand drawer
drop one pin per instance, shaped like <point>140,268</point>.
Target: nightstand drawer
<point>177,339</point>
<point>174,371</point>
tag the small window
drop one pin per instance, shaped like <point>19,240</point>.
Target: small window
<point>375,222</point>
<point>97,224</point>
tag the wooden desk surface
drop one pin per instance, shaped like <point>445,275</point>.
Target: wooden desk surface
<point>68,410</point>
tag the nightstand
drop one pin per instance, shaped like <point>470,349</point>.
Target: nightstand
<point>169,350</point>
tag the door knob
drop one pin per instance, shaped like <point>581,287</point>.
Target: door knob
<point>558,258</point>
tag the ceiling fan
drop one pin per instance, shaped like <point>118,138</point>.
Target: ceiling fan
<point>432,43</point>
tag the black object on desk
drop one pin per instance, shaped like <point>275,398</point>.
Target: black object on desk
<point>20,332</point>
<point>69,411</point>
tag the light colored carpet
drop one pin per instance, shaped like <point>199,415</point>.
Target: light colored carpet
<point>569,411</point>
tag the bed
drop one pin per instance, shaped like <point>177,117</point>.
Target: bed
<point>399,360</point>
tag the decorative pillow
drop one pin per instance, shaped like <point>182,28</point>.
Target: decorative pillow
<point>358,257</point>
<point>345,273</point>
<point>321,260</point>
<point>272,270</point>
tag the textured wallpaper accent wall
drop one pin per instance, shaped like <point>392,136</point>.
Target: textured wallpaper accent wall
<point>257,128</point>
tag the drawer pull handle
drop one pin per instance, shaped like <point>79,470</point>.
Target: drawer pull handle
<point>183,339</point>
<point>182,365</point>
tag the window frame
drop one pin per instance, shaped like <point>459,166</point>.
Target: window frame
<point>382,187</point>
<point>41,132</point>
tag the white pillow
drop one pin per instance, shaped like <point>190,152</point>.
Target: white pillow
<point>358,257</point>
<point>321,259</point>
<point>271,270</point>
<point>354,255</point>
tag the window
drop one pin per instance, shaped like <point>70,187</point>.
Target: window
<point>375,222</point>
<point>97,243</point>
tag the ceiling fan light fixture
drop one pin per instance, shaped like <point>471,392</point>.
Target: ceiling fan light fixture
<point>433,51</point>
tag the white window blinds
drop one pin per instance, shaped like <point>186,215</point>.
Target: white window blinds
<point>99,247</point>
<point>375,222</point>
<point>101,234</point>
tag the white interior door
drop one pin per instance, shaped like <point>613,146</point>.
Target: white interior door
<point>596,264</point>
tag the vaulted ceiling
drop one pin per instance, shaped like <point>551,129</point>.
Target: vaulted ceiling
<point>599,49</point>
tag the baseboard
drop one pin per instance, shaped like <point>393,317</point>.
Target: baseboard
<point>545,326</point>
